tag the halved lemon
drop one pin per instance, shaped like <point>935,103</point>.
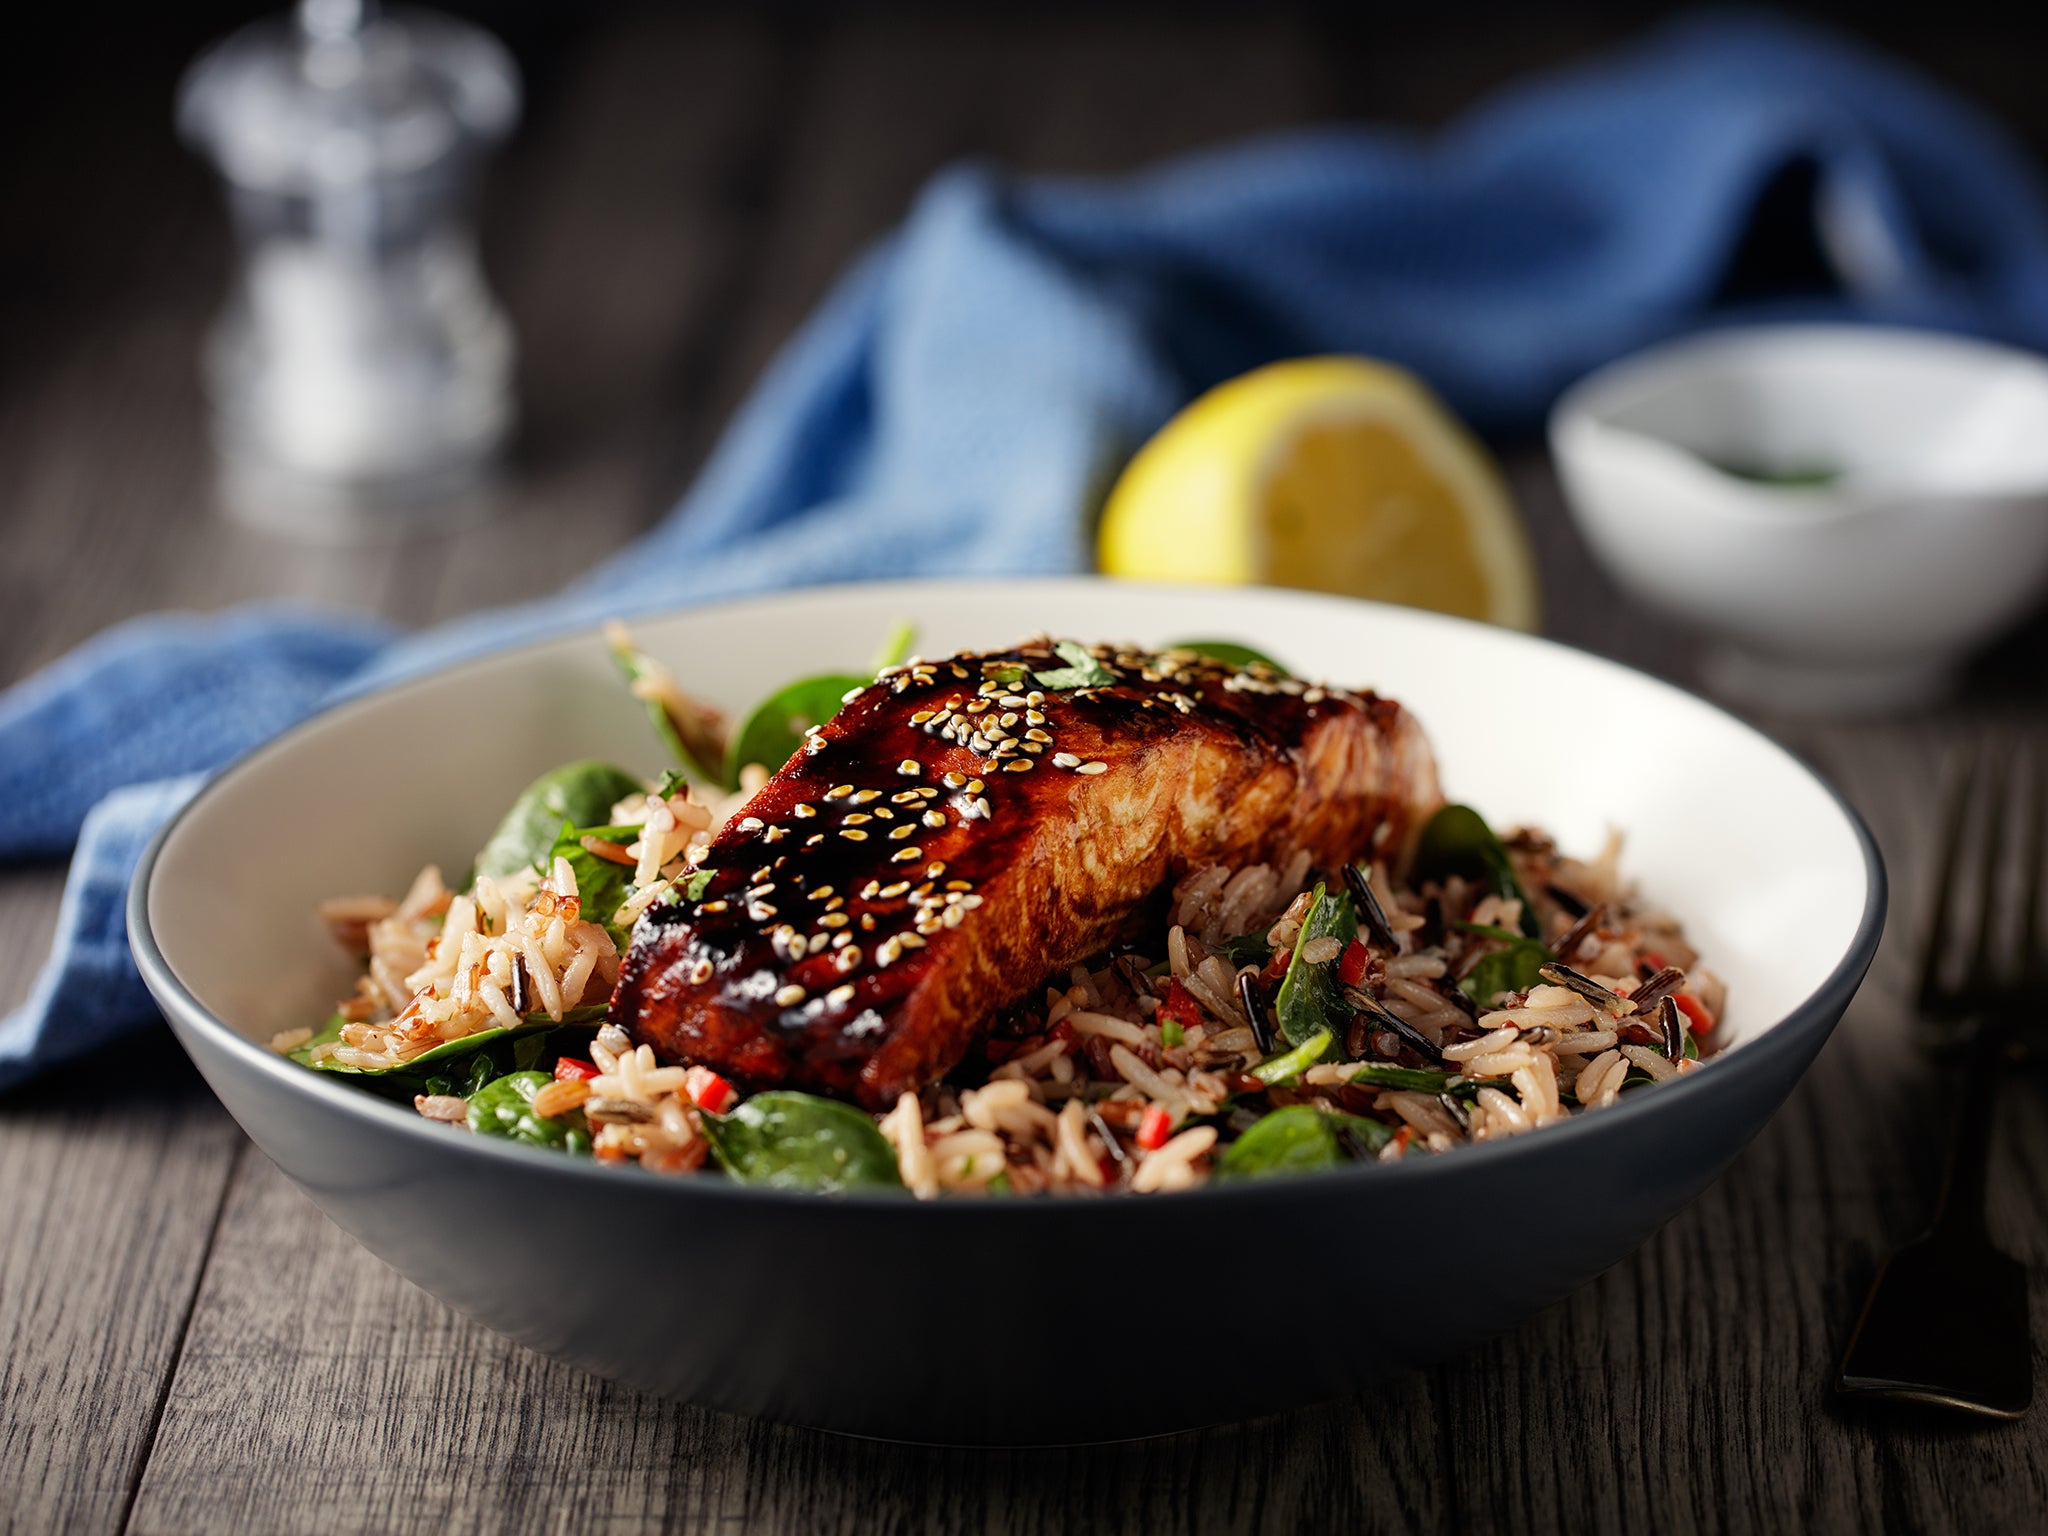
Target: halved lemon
<point>1337,474</point>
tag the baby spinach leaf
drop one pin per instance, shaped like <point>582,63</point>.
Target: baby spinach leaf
<point>1310,998</point>
<point>1297,1139</point>
<point>450,1052</point>
<point>787,1140</point>
<point>1458,842</point>
<point>579,793</point>
<point>1514,969</point>
<point>601,885</point>
<point>1082,670</point>
<point>1284,1068</point>
<point>505,1108</point>
<point>696,883</point>
<point>1231,653</point>
<point>693,730</point>
<point>774,732</point>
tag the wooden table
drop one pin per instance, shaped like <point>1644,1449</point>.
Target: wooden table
<point>190,1345</point>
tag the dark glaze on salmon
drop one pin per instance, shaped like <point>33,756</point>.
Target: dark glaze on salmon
<point>960,830</point>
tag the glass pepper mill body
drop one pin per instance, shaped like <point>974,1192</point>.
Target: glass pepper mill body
<point>360,373</point>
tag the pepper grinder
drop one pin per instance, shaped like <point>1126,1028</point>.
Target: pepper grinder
<point>360,374</point>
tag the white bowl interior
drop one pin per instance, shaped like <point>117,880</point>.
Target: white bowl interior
<point>1886,408</point>
<point>1723,827</point>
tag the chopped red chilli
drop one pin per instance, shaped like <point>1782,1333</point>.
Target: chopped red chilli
<point>707,1090</point>
<point>1154,1128</point>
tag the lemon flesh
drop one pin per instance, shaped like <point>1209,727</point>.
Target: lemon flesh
<point>1333,474</point>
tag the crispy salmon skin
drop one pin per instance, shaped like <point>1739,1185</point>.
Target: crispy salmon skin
<point>965,827</point>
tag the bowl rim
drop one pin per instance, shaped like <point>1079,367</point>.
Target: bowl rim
<point>1781,1038</point>
<point>1586,407</point>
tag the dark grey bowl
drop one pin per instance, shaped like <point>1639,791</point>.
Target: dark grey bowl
<point>964,1321</point>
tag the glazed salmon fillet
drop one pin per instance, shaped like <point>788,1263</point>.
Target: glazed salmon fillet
<point>964,828</point>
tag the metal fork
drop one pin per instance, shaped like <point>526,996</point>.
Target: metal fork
<point>1946,1319</point>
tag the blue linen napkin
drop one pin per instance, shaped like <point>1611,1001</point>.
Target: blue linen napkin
<point>964,395</point>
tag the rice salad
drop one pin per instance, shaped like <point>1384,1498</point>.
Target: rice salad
<point>1274,1019</point>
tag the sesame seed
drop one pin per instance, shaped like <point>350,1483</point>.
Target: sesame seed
<point>910,941</point>
<point>790,996</point>
<point>760,911</point>
<point>805,810</point>
<point>935,818</point>
<point>975,786</point>
<point>833,920</point>
<point>866,795</point>
<point>814,839</point>
<point>1009,719</point>
<point>926,793</point>
<point>1034,734</point>
<point>905,855</point>
<point>1034,717</point>
<point>821,893</point>
<point>969,903</point>
<point>858,818</point>
<point>979,742</point>
<point>1018,765</point>
<point>761,873</point>
<point>906,797</point>
<point>867,892</point>
<point>889,951</point>
<point>751,823</point>
<point>774,834</point>
<point>954,917</point>
<point>841,995</point>
<point>953,780</point>
<point>906,830</point>
<point>848,957</point>
<point>921,716</point>
<point>1065,760</point>
<point>838,791</point>
<point>910,768</point>
<point>883,813</point>
<point>892,891</point>
<point>835,903</point>
<point>715,906</point>
<point>959,885</point>
<point>853,834</point>
<point>867,922</point>
<point>1034,697</point>
<point>701,972</point>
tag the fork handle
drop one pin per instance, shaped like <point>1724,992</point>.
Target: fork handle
<point>1960,1208</point>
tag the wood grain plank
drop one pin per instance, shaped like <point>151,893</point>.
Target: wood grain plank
<point>112,1173</point>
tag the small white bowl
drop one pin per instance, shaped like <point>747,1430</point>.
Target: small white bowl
<point>1922,533</point>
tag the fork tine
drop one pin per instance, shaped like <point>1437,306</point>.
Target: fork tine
<point>1981,981</point>
<point>1933,1000</point>
<point>2033,956</point>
